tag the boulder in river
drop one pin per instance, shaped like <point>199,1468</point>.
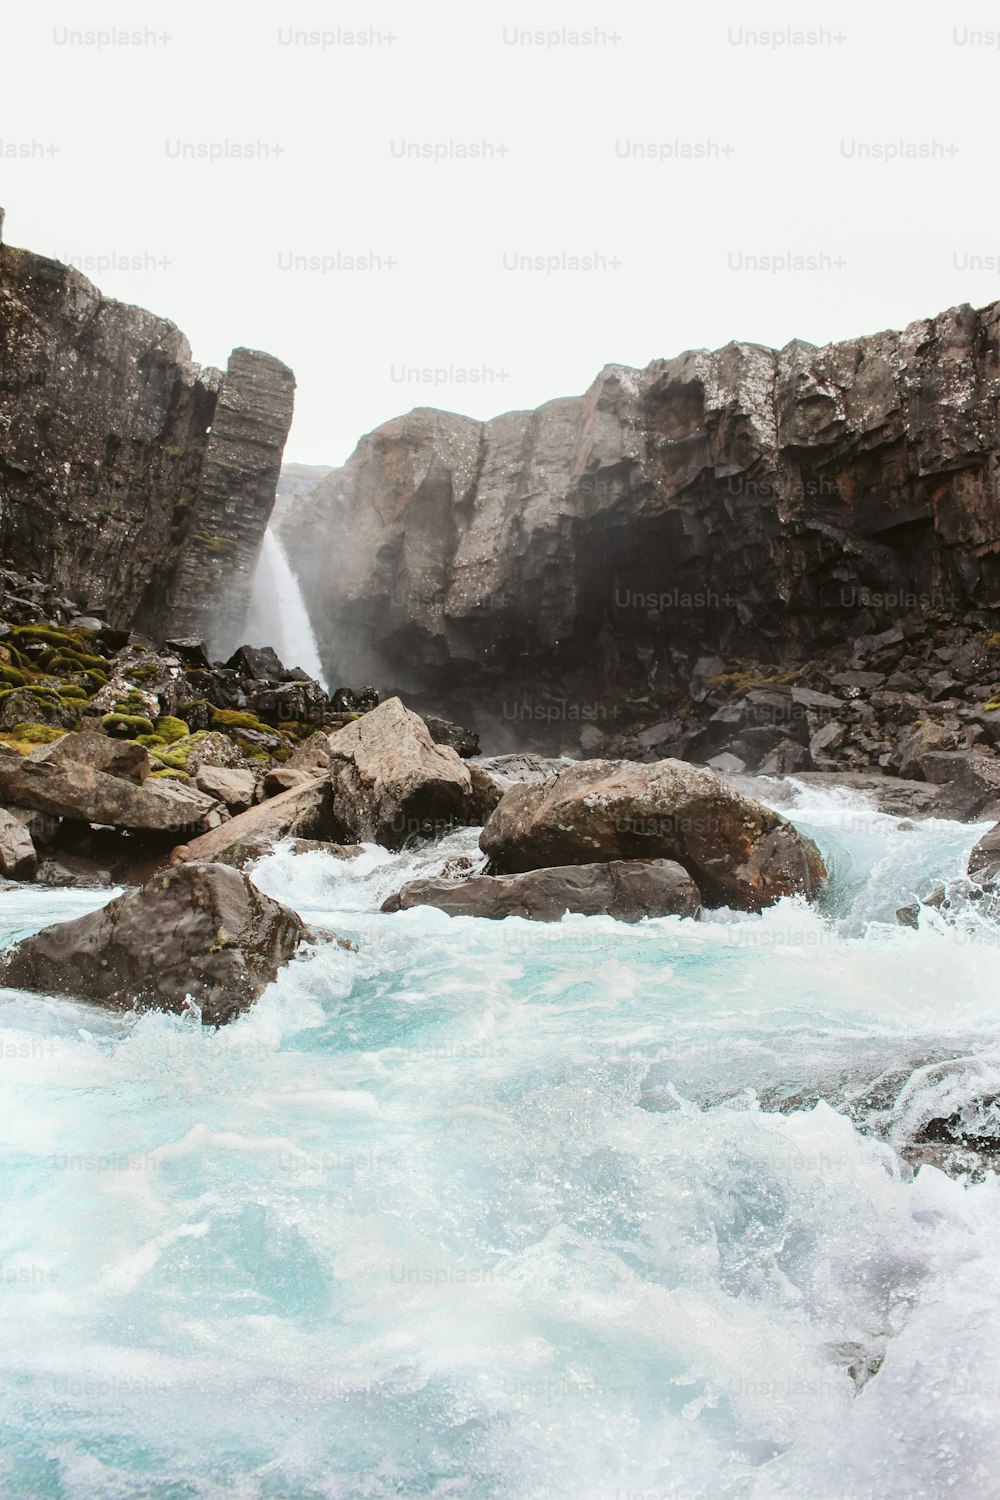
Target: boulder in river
<point>391,782</point>
<point>739,853</point>
<point>200,935</point>
<point>625,889</point>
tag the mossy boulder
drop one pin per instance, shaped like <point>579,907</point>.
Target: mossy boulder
<point>34,705</point>
<point>126,726</point>
<point>170,729</point>
<point>37,734</point>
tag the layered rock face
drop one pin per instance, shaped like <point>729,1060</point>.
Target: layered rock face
<point>747,504</point>
<point>130,477</point>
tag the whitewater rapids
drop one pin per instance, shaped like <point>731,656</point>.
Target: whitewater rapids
<point>516,1210</point>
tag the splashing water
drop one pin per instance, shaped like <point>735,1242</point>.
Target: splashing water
<point>277,614</point>
<point>517,1210</point>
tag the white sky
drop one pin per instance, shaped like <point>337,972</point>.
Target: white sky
<point>793,183</point>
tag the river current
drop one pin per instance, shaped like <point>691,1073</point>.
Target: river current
<point>518,1210</point>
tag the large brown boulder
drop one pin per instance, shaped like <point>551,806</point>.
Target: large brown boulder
<point>303,812</point>
<point>625,889</point>
<point>198,932</point>
<point>73,789</point>
<point>738,852</point>
<point>391,782</point>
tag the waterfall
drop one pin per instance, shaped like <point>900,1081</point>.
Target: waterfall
<point>277,614</point>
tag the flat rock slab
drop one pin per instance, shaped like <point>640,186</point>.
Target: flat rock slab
<point>70,788</point>
<point>198,933</point>
<point>302,812</point>
<point>626,889</point>
<point>738,852</point>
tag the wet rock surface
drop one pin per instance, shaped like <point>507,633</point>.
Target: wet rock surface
<point>738,852</point>
<point>625,889</point>
<point>392,783</point>
<point>199,936</point>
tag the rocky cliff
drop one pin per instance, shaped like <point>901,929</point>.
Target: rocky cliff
<point>746,505</point>
<point>129,476</point>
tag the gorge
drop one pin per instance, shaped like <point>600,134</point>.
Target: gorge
<point>616,1116</point>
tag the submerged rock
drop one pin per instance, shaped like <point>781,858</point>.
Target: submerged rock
<point>625,889</point>
<point>984,861</point>
<point>200,935</point>
<point>738,852</point>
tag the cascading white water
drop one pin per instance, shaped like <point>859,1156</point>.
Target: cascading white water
<point>516,1211</point>
<point>277,614</point>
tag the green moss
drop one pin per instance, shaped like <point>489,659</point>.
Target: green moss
<point>173,756</point>
<point>172,773</point>
<point>216,546</point>
<point>126,726</point>
<point>736,683</point>
<point>23,747</point>
<point>36,734</point>
<point>42,694</point>
<point>17,658</point>
<point>171,730</point>
<point>73,691</point>
<point>51,635</point>
<point>13,676</point>
<point>233,718</point>
<point>147,671</point>
<point>72,661</point>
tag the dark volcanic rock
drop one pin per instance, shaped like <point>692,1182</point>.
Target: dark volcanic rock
<point>625,889</point>
<point>465,742</point>
<point>132,479</point>
<point>260,663</point>
<point>738,852</point>
<point>202,932</point>
<point>984,861</point>
<point>640,539</point>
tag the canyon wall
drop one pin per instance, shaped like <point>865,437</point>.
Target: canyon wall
<point>741,505</point>
<point>130,477</point>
